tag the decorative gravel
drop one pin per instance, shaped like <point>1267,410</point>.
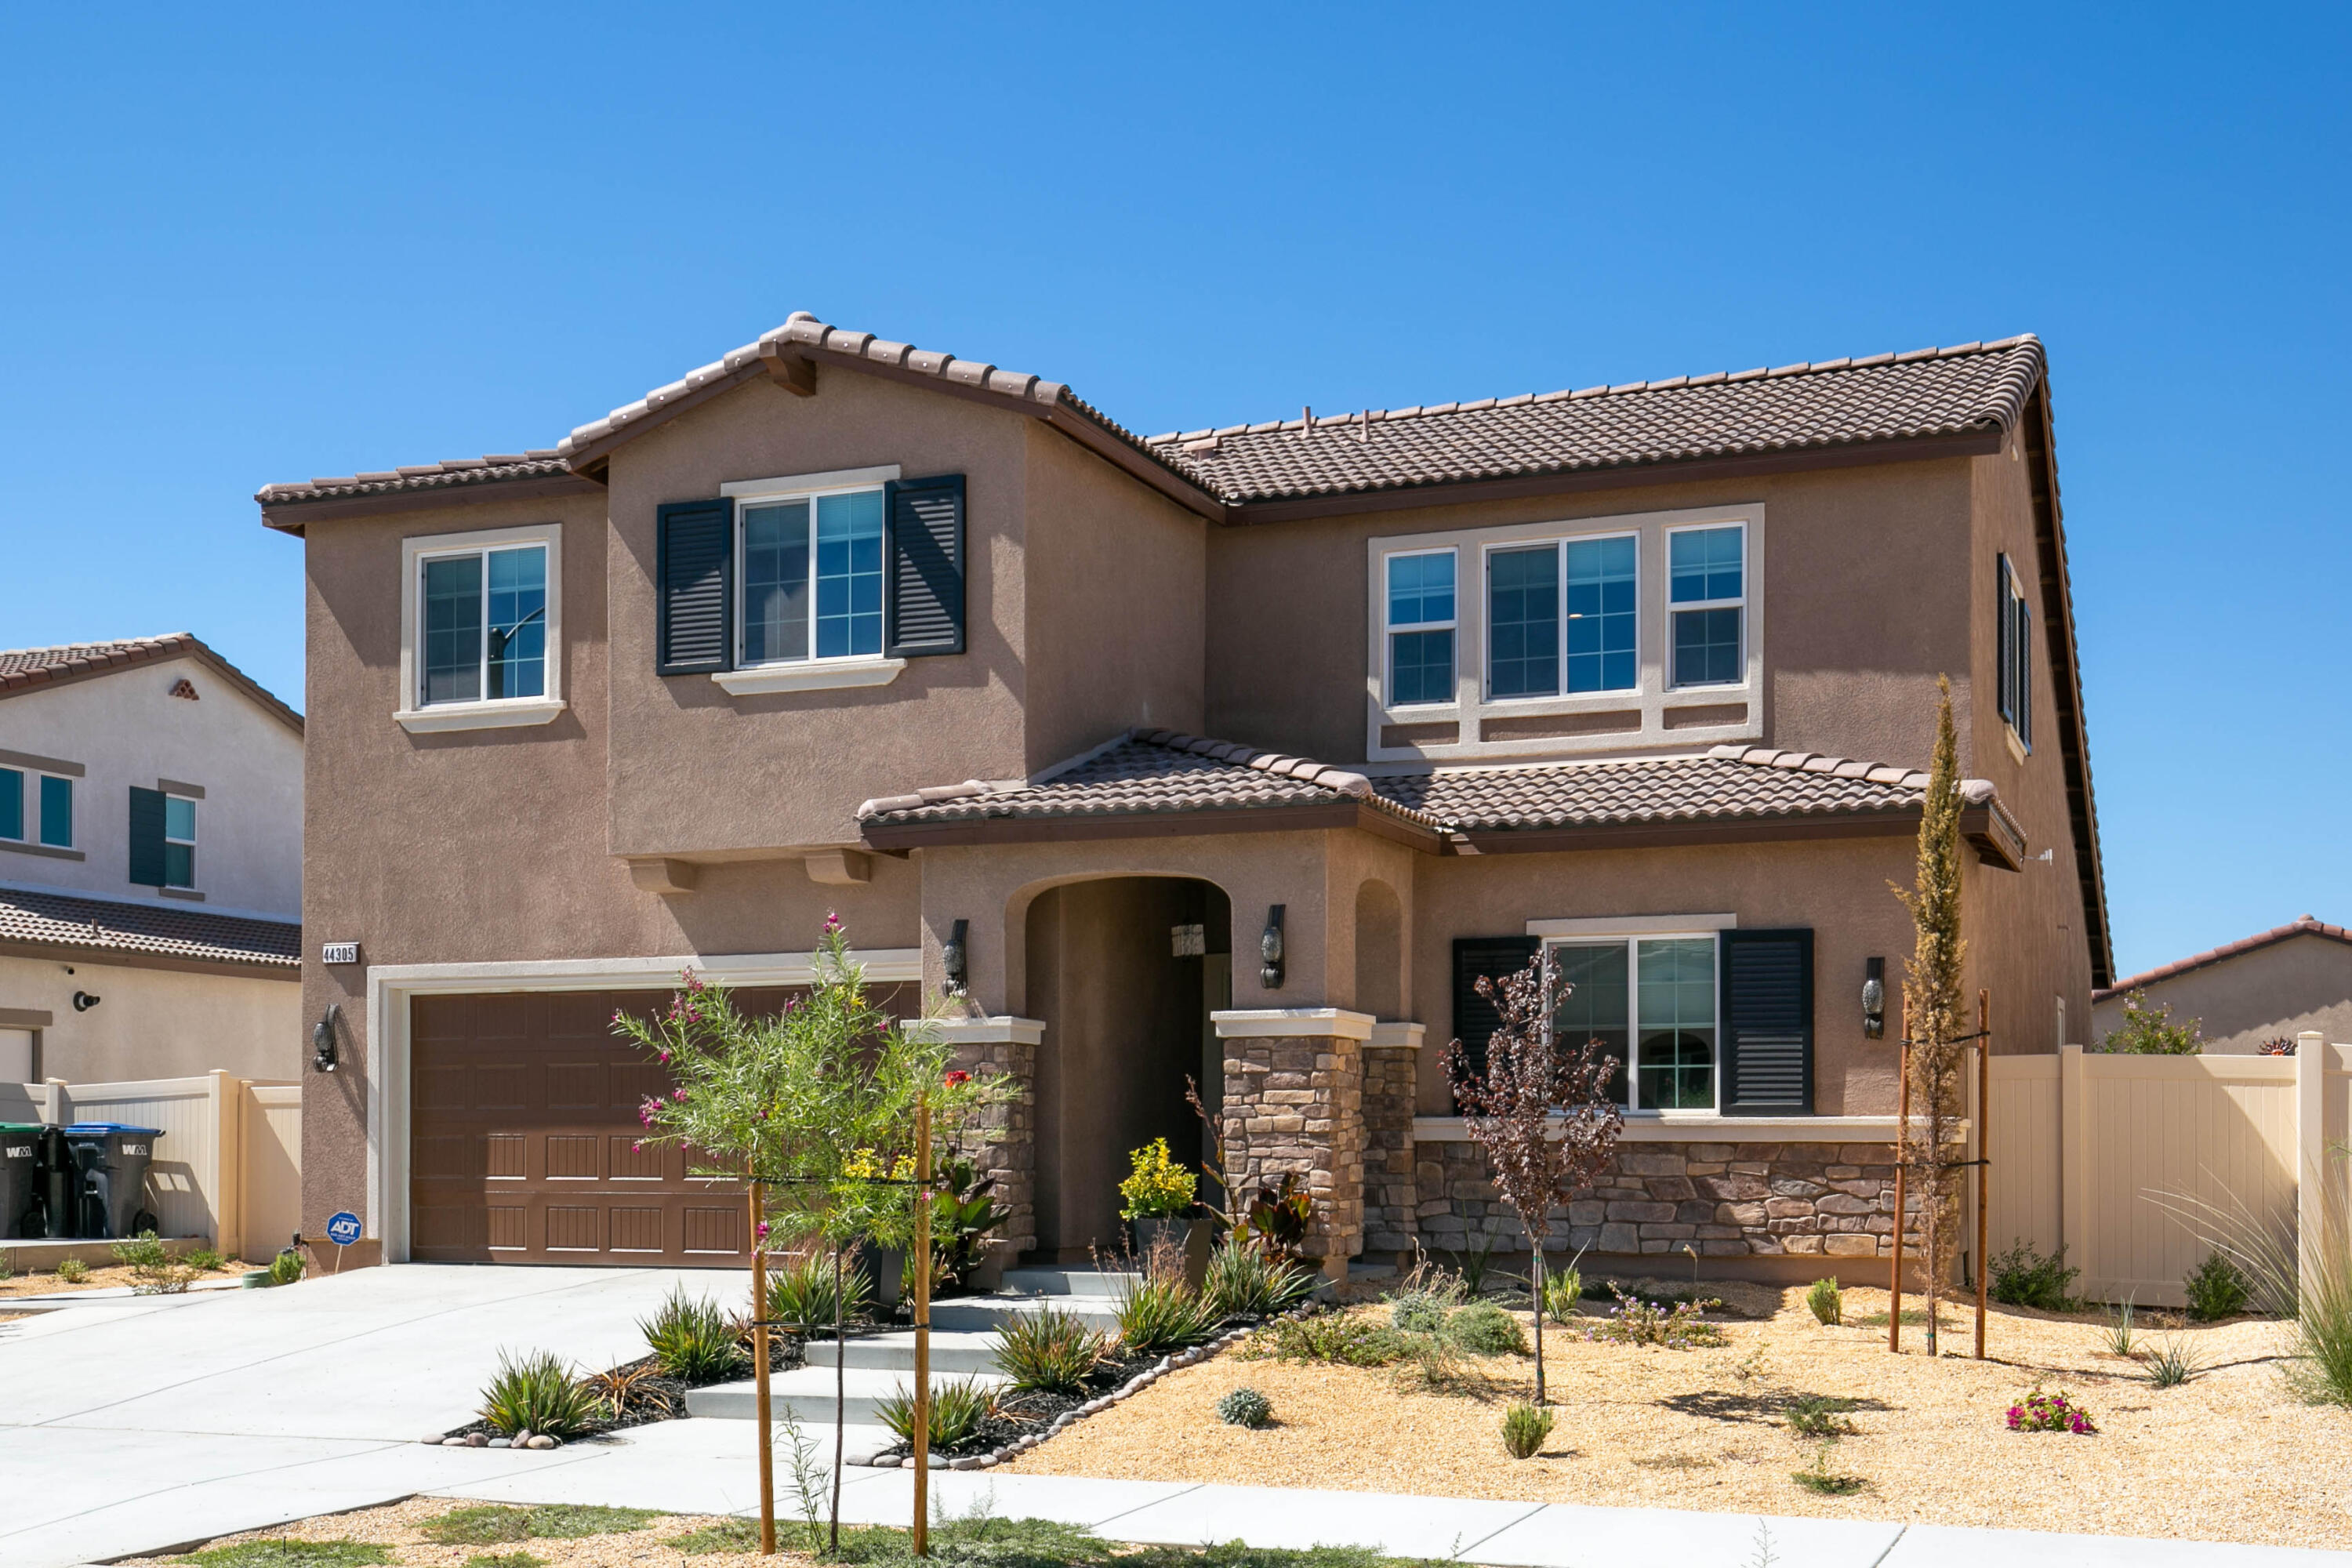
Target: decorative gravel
<point>2230,1455</point>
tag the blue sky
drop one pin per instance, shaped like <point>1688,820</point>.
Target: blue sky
<point>239,246</point>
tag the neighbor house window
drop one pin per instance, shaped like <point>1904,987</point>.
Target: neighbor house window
<point>36,808</point>
<point>483,636</point>
<point>2016,655</point>
<point>1706,581</point>
<point>1651,1002</point>
<point>179,841</point>
<point>1420,628</point>
<point>812,576</point>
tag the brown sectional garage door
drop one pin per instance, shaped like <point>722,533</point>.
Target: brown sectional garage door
<point>523,1117</point>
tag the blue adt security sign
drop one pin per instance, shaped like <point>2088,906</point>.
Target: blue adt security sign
<point>343,1229</point>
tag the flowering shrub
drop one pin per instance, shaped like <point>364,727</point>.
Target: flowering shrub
<point>2040,1411</point>
<point>1160,1188</point>
<point>1633,1322</point>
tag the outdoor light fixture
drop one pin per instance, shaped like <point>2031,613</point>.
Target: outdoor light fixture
<point>84,1001</point>
<point>1269,950</point>
<point>322,1039</point>
<point>1873,1001</point>
<point>952,959</point>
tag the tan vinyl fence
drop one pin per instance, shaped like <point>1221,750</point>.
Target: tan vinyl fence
<point>2112,1156</point>
<point>229,1164</point>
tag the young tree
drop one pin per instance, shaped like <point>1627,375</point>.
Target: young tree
<point>1938,1030</point>
<point>2148,1031</point>
<point>1537,1159</point>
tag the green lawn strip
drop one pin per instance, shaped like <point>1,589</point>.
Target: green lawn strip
<point>291,1554</point>
<point>491,1524</point>
<point>1043,1543</point>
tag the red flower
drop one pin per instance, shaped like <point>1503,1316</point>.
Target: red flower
<point>958,1076</point>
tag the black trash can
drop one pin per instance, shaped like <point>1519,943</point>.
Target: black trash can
<point>57,1182</point>
<point>109,1166</point>
<point>23,1202</point>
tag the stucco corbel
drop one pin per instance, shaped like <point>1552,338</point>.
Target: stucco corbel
<point>652,874</point>
<point>839,868</point>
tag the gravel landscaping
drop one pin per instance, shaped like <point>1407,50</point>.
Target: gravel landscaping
<point>2228,1455</point>
<point>99,1277</point>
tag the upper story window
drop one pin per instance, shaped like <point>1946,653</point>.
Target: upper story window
<point>2016,638</point>
<point>481,635</point>
<point>179,841</point>
<point>1559,637</point>
<point>36,808</point>
<point>811,577</point>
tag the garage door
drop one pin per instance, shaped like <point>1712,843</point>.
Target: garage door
<point>524,1117</point>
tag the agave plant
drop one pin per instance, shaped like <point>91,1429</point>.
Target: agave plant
<point>958,1411</point>
<point>1049,1350</point>
<point>537,1392</point>
<point>1247,1280</point>
<point>692,1338</point>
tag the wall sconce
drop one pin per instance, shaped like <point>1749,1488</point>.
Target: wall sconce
<point>952,959</point>
<point>84,1001</point>
<point>1269,950</point>
<point>1874,1000</point>
<point>322,1040</point>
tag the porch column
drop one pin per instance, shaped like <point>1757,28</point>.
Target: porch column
<point>1392,1189</point>
<point>1295,1104</point>
<point>1003,1143</point>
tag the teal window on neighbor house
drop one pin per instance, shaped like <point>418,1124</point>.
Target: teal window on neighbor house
<point>1651,1002</point>
<point>1707,593</point>
<point>1420,626</point>
<point>485,626</point>
<point>36,808</point>
<point>11,805</point>
<point>179,841</point>
<point>57,812</point>
<point>811,576</point>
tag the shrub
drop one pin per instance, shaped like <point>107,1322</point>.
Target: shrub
<point>1418,1311</point>
<point>288,1267</point>
<point>959,1411</point>
<point>1633,1322</point>
<point>152,1271</point>
<point>1335,1337</point>
<point>1824,1420</point>
<point>2175,1361</point>
<point>1246,1281</point>
<point>144,1250</point>
<point>1525,1428</point>
<point>1246,1407</point>
<point>205,1260</point>
<point>626,1388</point>
<point>494,1524</point>
<point>1827,1302</point>
<point>1049,1350</point>
<point>2218,1288</point>
<point>536,1394</point>
<point>2148,1031</point>
<point>1157,1187</point>
<point>1484,1329</point>
<point>1160,1314</point>
<point>291,1554</point>
<point>1819,1478</point>
<point>1562,1289</point>
<point>2040,1411</point>
<point>72,1270</point>
<point>801,1293</point>
<point>2023,1277</point>
<point>692,1338</point>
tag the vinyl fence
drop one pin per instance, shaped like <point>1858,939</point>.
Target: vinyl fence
<point>229,1166</point>
<point>2104,1153</point>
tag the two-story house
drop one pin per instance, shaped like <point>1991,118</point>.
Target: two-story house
<point>1236,754</point>
<point>150,866</point>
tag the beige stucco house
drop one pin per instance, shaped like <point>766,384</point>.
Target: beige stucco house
<point>150,866</point>
<point>1237,753</point>
<point>2262,989</point>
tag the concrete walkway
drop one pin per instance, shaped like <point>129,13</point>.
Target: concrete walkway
<point>129,1426</point>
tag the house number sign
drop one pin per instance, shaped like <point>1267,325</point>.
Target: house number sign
<point>339,953</point>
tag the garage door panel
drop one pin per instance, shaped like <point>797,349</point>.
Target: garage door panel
<point>714,1230</point>
<point>573,1227</point>
<point>632,1164</point>
<point>498,1086</point>
<point>505,1156</point>
<point>571,1157</point>
<point>577,1086</point>
<point>635,1229</point>
<point>507,1227</point>
<point>579,1015</point>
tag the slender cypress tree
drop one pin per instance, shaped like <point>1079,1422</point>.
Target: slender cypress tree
<point>1936,1018</point>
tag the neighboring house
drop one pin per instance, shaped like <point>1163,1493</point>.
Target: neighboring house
<point>2270,986</point>
<point>150,866</point>
<point>1237,753</point>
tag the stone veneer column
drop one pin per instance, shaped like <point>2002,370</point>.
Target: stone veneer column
<point>1003,1143</point>
<point>1294,1103</point>
<point>1392,1185</point>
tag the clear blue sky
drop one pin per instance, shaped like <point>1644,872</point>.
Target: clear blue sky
<point>238,247</point>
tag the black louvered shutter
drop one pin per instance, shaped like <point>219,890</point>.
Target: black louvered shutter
<point>1475,1019</point>
<point>146,838</point>
<point>924,592</point>
<point>2025,672</point>
<point>2007,676</point>
<point>694,573</point>
<point>1768,1022</point>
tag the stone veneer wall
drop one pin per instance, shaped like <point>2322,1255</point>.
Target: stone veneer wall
<point>1295,1104</point>
<point>1392,1192</point>
<point>1728,1200</point>
<point>1003,1142</point>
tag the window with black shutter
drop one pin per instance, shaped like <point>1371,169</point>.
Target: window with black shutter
<point>148,868</point>
<point>924,591</point>
<point>2016,642</point>
<point>1475,1019</point>
<point>694,571</point>
<point>1768,1022</point>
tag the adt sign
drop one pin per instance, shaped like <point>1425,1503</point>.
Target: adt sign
<point>344,1229</point>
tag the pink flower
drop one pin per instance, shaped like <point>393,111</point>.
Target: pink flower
<point>637,1147</point>
<point>763,1230</point>
<point>665,1056</point>
<point>646,1112</point>
<point>958,1076</point>
<point>678,1095</point>
<point>832,923</point>
<point>693,981</point>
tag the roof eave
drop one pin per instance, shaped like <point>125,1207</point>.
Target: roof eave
<point>1988,832</point>
<point>1042,829</point>
<point>292,516</point>
<point>259,967</point>
<point>184,645</point>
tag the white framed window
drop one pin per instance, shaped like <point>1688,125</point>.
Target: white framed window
<point>1563,616</point>
<point>481,628</point>
<point>1651,998</point>
<point>1706,591</point>
<point>37,808</point>
<point>809,575</point>
<point>179,841</point>
<point>1420,598</point>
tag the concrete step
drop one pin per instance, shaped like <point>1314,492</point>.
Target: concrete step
<point>807,1393</point>
<point>952,1351</point>
<point>1100,1284</point>
<point>981,1314</point>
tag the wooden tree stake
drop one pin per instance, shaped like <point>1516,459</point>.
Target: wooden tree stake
<point>922,1325</point>
<point>1984,1152</point>
<point>1902,1159</point>
<point>759,1378</point>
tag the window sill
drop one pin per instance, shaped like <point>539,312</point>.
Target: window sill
<point>504,715</point>
<point>2018,750</point>
<point>815,675</point>
<point>51,850</point>
<point>1706,1127</point>
<point>189,893</point>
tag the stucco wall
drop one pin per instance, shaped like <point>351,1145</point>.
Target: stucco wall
<point>127,729</point>
<point>156,1023</point>
<point>2279,990</point>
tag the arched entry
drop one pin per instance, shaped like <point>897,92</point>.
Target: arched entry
<point>1124,973</point>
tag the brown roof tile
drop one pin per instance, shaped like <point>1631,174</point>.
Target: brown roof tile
<point>24,669</point>
<point>98,925</point>
<point>456,472</point>
<point>2303,925</point>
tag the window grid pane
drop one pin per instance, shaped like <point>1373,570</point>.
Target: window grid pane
<point>1420,667</point>
<point>849,575</point>
<point>1707,647</point>
<point>1523,622</point>
<point>179,819</point>
<point>518,625</point>
<point>1594,1003</point>
<point>1420,590</point>
<point>775,583</point>
<point>12,804</point>
<point>57,812</point>
<point>1706,564</point>
<point>453,629</point>
<point>1677,1022</point>
<point>1601,615</point>
<point>179,865</point>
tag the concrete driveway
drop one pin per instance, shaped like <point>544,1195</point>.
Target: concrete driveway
<point>132,1424</point>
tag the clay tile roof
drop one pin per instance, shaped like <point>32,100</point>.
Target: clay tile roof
<point>98,925</point>
<point>2304,925</point>
<point>26,668</point>
<point>456,472</point>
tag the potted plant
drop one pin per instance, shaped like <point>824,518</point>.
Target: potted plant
<point>965,1220</point>
<point>878,1217</point>
<point>1159,1199</point>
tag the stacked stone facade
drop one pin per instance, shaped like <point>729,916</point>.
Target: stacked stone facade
<point>1727,1200</point>
<point>1295,1105</point>
<point>1002,1143</point>
<point>1392,1190</point>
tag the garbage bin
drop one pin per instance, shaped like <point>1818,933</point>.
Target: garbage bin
<point>23,1205</point>
<point>109,1186</point>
